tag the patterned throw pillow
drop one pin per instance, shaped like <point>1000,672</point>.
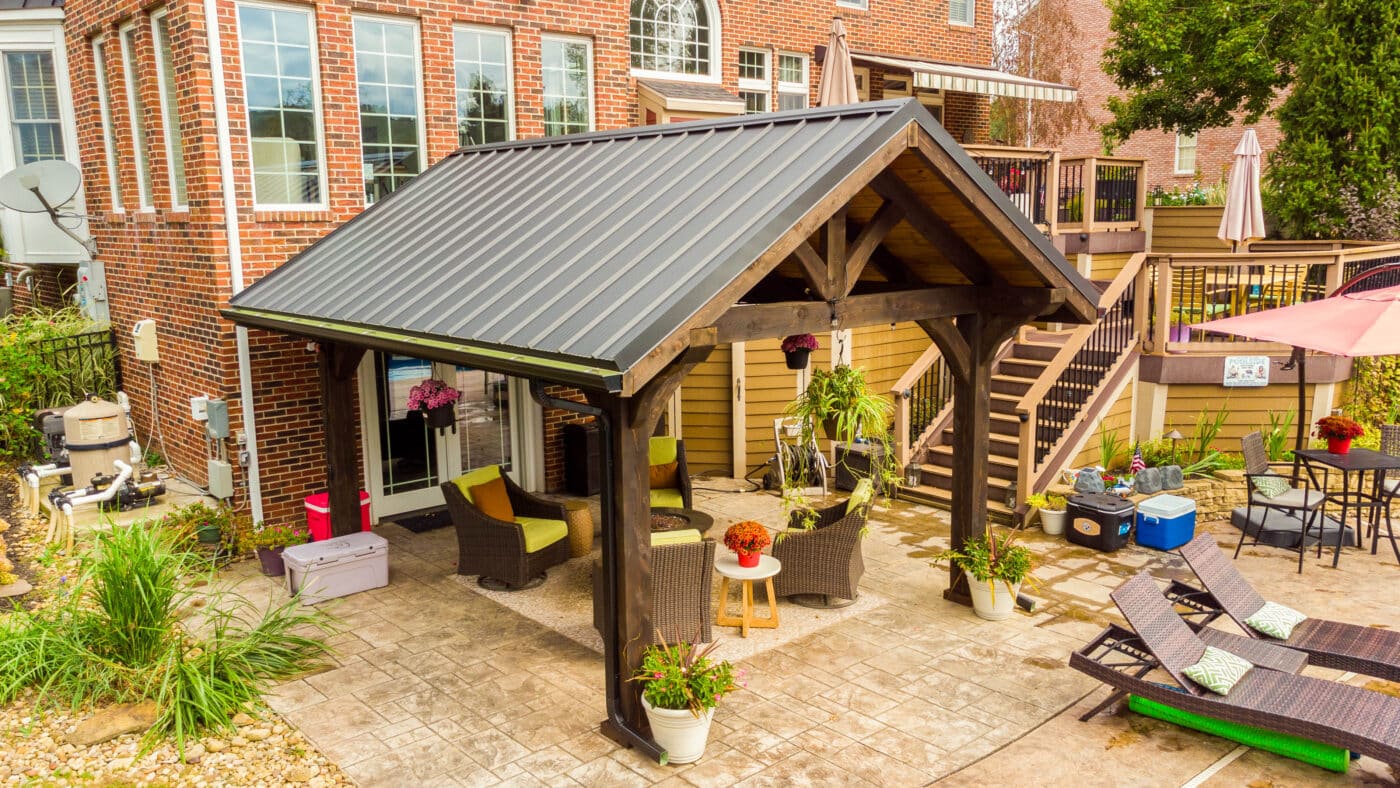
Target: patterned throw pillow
<point>1218,671</point>
<point>1275,620</point>
<point>1271,485</point>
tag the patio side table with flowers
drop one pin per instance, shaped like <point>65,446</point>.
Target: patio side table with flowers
<point>1338,431</point>
<point>747,564</point>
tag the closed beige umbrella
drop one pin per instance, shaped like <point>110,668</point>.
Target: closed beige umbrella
<point>838,85</point>
<point>1243,219</point>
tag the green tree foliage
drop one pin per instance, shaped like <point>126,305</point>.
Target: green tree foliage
<point>1341,122</point>
<point>1191,65</point>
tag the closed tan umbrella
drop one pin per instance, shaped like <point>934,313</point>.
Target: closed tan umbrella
<point>838,85</point>
<point>1243,219</point>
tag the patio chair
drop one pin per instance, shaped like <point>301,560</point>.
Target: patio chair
<point>664,450</point>
<point>682,576</point>
<point>1390,444</point>
<point>1302,501</point>
<point>508,555</point>
<point>1330,644</point>
<point>1270,696</point>
<point>822,558</point>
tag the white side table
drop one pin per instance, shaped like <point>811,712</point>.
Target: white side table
<point>727,564</point>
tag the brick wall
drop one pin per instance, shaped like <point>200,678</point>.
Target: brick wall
<point>174,265</point>
<point>1215,147</point>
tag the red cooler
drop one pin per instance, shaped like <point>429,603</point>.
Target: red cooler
<point>318,514</point>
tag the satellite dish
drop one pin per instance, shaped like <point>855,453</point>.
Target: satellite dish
<point>39,187</point>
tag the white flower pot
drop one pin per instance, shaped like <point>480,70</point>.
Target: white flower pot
<point>681,734</point>
<point>1052,523</point>
<point>993,607</point>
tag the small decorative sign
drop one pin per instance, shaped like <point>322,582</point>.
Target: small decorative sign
<point>1241,371</point>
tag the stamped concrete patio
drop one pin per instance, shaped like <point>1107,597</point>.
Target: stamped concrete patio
<point>438,685</point>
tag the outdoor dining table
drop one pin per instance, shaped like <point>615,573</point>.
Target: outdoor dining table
<point>1372,501</point>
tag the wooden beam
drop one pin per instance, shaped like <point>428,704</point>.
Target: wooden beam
<point>935,230</point>
<point>336,365</point>
<point>886,217</point>
<point>836,255</point>
<point>813,268</point>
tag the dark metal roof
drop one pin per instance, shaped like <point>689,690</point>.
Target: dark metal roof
<point>18,5</point>
<point>570,258</point>
<point>693,91</point>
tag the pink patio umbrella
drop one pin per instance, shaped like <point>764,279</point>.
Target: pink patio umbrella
<point>1365,323</point>
<point>838,85</point>
<point>1243,218</point>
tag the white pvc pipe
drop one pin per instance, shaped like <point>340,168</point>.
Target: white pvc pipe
<point>30,489</point>
<point>123,473</point>
<point>235,251</point>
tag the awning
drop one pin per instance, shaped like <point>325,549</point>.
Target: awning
<point>965,78</point>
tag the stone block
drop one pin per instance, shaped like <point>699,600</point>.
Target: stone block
<point>1088,481</point>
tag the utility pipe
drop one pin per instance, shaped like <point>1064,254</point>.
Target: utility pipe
<point>611,674</point>
<point>235,253</point>
<point>31,476</point>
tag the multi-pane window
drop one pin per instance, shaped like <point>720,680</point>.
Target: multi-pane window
<point>1185,154</point>
<point>170,114</point>
<point>864,5</point>
<point>109,132</point>
<point>34,106</point>
<point>137,110</point>
<point>280,84</point>
<point>566,67</point>
<point>671,36</point>
<point>792,81</point>
<point>483,86</point>
<point>754,85</point>
<point>960,12</point>
<point>386,69</point>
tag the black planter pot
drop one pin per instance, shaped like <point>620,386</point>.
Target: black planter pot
<point>797,359</point>
<point>271,560</point>
<point>441,417</point>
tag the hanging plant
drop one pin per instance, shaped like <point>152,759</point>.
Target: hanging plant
<point>797,348</point>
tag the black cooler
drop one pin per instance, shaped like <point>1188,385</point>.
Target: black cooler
<point>1101,521</point>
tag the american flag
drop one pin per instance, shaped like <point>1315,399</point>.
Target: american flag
<point>1137,465</point>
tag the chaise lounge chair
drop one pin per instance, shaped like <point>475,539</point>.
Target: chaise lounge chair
<point>1270,696</point>
<point>1329,644</point>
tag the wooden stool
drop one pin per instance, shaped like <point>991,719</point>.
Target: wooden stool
<point>728,567</point>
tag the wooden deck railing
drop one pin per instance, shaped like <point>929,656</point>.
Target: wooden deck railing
<point>1099,193</point>
<point>922,396</point>
<point>1026,175</point>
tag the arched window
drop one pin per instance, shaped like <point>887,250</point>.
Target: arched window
<point>674,36</point>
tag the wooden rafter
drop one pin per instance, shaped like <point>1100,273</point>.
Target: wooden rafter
<point>935,230</point>
<point>813,268</point>
<point>874,231</point>
<point>836,253</point>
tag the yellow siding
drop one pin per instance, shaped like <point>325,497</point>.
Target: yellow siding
<point>1107,266</point>
<point>886,352</point>
<point>770,387</point>
<point>1186,229</point>
<point>705,414</point>
<point>1119,418</point>
<point>1249,408</point>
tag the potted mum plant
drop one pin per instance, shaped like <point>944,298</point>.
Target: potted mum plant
<point>436,400</point>
<point>995,567</point>
<point>271,540</point>
<point>797,348</point>
<point>1338,430</point>
<point>747,539</point>
<point>1052,512</point>
<point>681,686</point>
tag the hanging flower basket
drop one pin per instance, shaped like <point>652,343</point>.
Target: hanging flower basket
<point>797,349</point>
<point>436,400</point>
<point>441,416</point>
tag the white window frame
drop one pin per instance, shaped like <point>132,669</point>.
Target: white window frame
<point>109,132</point>
<point>592,93</point>
<point>863,5</point>
<point>970,21</point>
<point>1195,153</point>
<point>169,116</point>
<point>418,85</point>
<point>763,86</point>
<point>716,50</point>
<point>793,88</point>
<point>862,82</point>
<point>139,143</point>
<point>317,110</point>
<point>510,76</point>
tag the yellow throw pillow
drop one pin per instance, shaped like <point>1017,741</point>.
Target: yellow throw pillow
<point>493,500</point>
<point>472,478</point>
<point>665,477</point>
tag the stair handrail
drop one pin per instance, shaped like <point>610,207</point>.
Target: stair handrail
<point>1026,408</point>
<point>899,392</point>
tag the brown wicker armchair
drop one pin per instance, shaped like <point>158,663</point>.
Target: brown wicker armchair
<point>823,562</point>
<point>495,549</point>
<point>682,577</point>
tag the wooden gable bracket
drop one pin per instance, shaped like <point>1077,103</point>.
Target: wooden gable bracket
<point>935,230</point>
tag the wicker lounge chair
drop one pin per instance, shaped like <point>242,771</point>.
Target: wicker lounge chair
<point>495,549</point>
<point>1299,500</point>
<point>1329,644</point>
<point>824,562</point>
<point>665,449</point>
<point>1270,696</point>
<point>682,577</point>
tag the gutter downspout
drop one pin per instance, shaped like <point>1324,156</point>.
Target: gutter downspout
<point>235,251</point>
<point>611,659</point>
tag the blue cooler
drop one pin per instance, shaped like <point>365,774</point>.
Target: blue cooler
<point>1166,522</point>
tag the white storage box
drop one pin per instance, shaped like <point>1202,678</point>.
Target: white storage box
<point>337,567</point>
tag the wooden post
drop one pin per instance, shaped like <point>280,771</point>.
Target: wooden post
<point>1091,188</point>
<point>1162,332</point>
<point>1141,283</point>
<point>336,364</point>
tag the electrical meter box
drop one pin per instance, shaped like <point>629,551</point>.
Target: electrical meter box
<point>143,335</point>
<point>216,412</point>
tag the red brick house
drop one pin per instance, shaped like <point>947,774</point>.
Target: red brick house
<point>204,173</point>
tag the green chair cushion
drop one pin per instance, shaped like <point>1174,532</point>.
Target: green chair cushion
<point>662,450</point>
<point>682,536</point>
<point>1275,620</point>
<point>667,499</point>
<point>863,494</point>
<point>1218,670</point>
<point>1271,485</point>
<point>470,479</point>
<point>541,532</point>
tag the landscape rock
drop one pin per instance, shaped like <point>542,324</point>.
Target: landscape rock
<point>215,745</point>
<point>193,753</point>
<point>240,719</point>
<point>114,721</point>
<point>1148,480</point>
<point>1172,478</point>
<point>300,773</point>
<point>256,734</point>
<point>1088,481</point>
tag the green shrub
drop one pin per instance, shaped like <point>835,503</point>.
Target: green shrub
<point>30,380</point>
